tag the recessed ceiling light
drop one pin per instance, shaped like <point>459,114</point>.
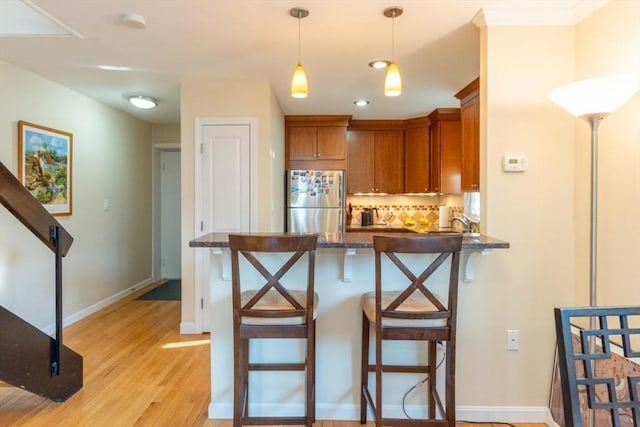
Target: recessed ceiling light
<point>143,102</point>
<point>361,102</point>
<point>379,64</point>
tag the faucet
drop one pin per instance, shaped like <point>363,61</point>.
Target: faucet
<point>468,225</point>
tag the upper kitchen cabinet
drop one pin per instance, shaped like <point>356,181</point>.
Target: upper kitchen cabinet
<point>315,142</point>
<point>375,157</point>
<point>445,150</point>
<point>416,155</point>
<point>470,122</point>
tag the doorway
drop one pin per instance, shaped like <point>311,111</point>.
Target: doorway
<point>167,228</point>
<point>225,150</point>
<point>170,252</point>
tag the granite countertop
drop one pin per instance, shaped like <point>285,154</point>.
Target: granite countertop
<point>358,240</point>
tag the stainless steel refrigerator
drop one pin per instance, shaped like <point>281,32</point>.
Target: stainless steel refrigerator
<point>315,201</point>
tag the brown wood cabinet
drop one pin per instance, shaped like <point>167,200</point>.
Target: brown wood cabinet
<point>416,155</point>
<point>375,153</point>
<point>315,142</point>
<point>470,122</point>
<point>445,151</point>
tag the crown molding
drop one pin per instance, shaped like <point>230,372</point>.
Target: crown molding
<point>547,13</point>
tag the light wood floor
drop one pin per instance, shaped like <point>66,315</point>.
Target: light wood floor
<point>138,371</point>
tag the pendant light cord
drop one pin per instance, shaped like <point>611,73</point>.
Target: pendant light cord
<point>299,38</point>
<point>393,36</point>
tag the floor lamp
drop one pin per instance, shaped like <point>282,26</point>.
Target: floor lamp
<point>593,100</point>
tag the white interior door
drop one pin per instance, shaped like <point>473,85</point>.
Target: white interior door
<point>170,252</point>
<point>227,172</point>
<point>224,188</point>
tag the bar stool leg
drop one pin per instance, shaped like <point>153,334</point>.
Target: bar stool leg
<point>451,382</point>
<point>378,377</point>
<point>364,369</point>
<point>240,387</point>
<point>433,363</point>
<point>311,375</point>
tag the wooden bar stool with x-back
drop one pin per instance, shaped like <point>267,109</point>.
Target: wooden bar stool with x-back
<point>272,311</point>
<point>412,311</point>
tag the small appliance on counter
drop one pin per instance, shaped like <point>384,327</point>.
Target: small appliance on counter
<point>444,217</point>
<point>315,201</point>
<point>366,217</point>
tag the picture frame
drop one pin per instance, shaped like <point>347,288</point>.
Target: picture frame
<point>45,166</point>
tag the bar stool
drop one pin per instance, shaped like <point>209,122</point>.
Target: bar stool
<point>272,311</point>
<point>413,313</point>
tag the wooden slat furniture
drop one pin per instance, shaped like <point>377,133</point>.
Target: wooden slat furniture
<point>414,313</point>
<point>272,311</point>
<point>588,369</point>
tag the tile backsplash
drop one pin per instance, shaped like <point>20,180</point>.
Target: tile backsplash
<point>401,210</point>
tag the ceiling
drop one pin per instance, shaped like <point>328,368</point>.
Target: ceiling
<point>436,48</point>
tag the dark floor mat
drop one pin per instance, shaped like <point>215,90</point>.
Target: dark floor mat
<point>170,290</point>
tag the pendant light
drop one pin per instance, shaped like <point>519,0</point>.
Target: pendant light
<point>299,86</point>
<point>393,82</point>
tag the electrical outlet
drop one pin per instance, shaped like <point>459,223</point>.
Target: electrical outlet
<point>513,339</point>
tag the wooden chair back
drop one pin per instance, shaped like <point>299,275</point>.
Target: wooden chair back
<point>444,246</point>
<point>249,246</point>
<point>592,374</point>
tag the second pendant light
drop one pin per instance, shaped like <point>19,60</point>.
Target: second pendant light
<point>392,81</point>
<point>299,85</point>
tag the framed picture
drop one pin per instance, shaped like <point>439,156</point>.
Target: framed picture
<point>45,166</point>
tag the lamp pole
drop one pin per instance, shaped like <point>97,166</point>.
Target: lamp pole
<point>593,120</point>
<point>592,100</point>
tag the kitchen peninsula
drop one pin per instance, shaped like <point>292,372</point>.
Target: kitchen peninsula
<point>344,271</point>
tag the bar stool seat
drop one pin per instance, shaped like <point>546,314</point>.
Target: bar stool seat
<point>273,310</point>
<point>412,313</point>
<point>415,303</point>
<point>273,300</point>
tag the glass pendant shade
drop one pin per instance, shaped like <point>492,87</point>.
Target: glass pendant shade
<point>299,86</point>
<point>602,95</point>
<point>393,82</point>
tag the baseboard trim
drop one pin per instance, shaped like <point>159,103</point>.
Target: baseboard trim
<point>498,414</point>
<point>75,317</point>
<point>504,414</point>
<point>189,328</point>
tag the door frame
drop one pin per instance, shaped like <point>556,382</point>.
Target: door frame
<point>203,259</point>
<point>155,217</point>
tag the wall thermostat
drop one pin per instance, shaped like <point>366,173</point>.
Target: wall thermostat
<point>514,163</point>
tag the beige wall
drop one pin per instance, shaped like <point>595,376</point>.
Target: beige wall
<point>252,99</point>
<point>608,42</point>
<point>518,288</point>
<point>111,252</point>
<point>543,212</point>
<point>165,134</point>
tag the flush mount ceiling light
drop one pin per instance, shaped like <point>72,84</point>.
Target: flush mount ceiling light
<point>299,85</point>
<point>143,102</point>
<point>133,20</point>
<point>392,82</point>
<point>379,64</point>
<point>361,102</point>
